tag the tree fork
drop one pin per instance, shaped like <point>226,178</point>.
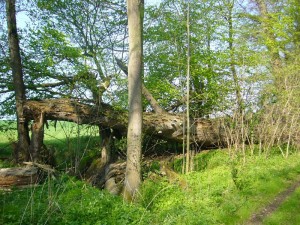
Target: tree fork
<point>147,94</point>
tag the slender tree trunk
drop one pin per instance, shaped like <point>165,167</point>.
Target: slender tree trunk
<point>147,94</point>
<point>16,66</point>
<point>134,134</point>
<point>237,87</point>
<point>188,128</point>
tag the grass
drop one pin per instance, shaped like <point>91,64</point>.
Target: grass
<point>288,212</point>
<point>212,196</point>
<point>7,135</point>
<point>219,191</point>
<point>215,196</point>
<point>66,200</point>
<point>71,145</point>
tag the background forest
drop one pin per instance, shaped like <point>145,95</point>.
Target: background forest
<point>218,74</point>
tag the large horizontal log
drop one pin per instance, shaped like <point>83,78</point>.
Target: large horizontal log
<point>164,125</point>
<point>18,176</point>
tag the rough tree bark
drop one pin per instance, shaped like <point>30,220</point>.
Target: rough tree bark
<point>168,126</point>
<point>133,179</point>
<point>37,137</point>
<point>99,165</point>
<point>19,87</point>
<point>33,173</point>
<point>18,176</point>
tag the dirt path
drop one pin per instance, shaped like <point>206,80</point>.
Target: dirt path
<point>258,217</point>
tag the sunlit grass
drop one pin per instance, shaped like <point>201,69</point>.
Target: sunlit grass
<point>65,200</point>
<point>288,212</point>
<point>7,136</point>
<point>67,141</point>
<point>214,197</point>
<point>219,191</point>
<point>211,196</point>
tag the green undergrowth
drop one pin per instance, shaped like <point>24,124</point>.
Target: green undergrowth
<point>66,201</point>
<point>288,212</point>
<point>222,191</point>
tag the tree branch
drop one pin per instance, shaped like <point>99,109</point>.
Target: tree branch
<point>156,107</point>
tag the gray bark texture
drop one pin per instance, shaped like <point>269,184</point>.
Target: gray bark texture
<point>135,115</point>
<point>167,126</point>
<point>19,87</point>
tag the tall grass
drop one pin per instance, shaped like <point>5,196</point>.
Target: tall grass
<point>221,190</point>
<point>66,200</point>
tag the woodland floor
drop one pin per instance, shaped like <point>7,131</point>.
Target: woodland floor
<point>260,216</point>
<point>220,190</point>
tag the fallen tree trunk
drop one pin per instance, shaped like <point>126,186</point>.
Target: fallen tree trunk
<point>206,133</point>
<point>18,176</point>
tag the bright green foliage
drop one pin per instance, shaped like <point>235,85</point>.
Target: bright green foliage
<point>96,29</point>
<point>6,84</point>
<point>66,201</point>
<point>288,212</point>
<point>67,50</point>
<point>49,54</point>
<point>71,45</point>
<point>165,58</point>
<point>222,192</point>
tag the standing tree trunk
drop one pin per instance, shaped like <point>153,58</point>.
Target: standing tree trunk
<point>237,87</point>
<point>135,10</point>
<point>19,87</point>
<point>188,124</point>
